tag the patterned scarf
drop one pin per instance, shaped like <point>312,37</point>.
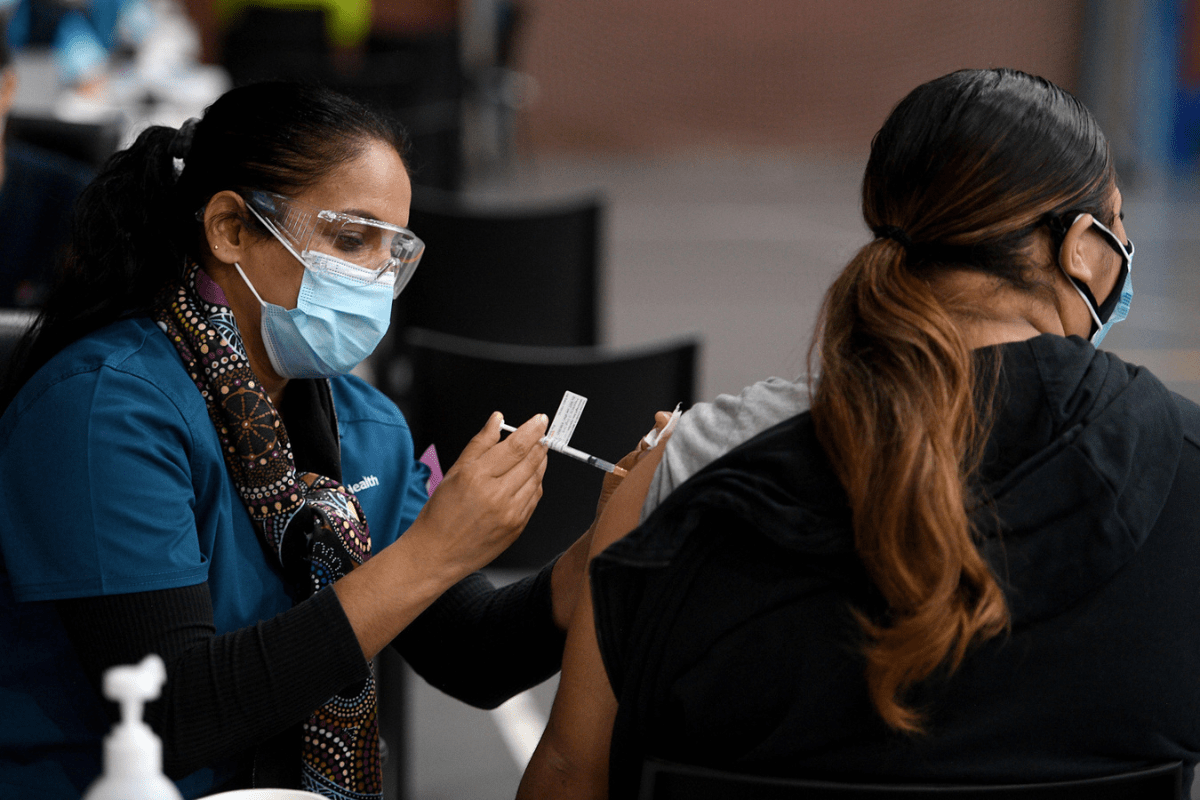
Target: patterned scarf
<point>312,524</point>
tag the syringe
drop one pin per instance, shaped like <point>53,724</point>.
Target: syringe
<point>578,455</point>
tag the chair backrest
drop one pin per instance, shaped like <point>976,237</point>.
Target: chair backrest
<point>505,274</point>
<point>266,43</point>
<point>417,82</point>
<point>91,143</point>
<point>14,322</point>
<point>663,780</point>
<point>458,382</point>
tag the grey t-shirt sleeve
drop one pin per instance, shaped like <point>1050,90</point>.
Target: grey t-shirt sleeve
<point>707,431</point>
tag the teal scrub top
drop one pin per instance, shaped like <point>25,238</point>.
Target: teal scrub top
<point>113,482</point>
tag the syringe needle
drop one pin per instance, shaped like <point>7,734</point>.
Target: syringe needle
<point>578,455</point>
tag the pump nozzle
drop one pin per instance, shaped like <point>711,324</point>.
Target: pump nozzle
<point>132,753</point>
<point>134,685</point>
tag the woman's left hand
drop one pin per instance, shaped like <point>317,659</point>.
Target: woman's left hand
<point>613,479</point>
<point>567,578</point>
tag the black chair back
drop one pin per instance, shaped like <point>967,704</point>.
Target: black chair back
<point>91,143</point>
<point>458,382</point>
<point>14,322</point>
<point>417,82</point>
<point>265,43</point>
<point>662,780</point>
<point>504,274</point>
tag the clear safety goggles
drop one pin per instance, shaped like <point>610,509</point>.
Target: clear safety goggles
<point>379,247</point>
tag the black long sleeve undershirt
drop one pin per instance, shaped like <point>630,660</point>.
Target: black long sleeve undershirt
<point>225,694</point>
<point>483,645</point>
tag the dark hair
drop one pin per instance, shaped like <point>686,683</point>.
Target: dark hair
<point>135,225</point>
<point>964,173</point>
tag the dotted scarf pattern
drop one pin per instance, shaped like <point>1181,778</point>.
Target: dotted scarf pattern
<point>315,516</point>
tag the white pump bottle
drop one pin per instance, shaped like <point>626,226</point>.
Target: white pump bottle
<point>132,752</point>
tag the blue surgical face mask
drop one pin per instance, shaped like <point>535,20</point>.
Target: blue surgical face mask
<point>1115,307</point>
<point>340,317</point>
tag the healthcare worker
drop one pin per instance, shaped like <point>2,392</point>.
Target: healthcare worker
<point>189,470</point>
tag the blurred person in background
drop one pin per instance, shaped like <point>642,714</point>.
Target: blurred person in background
<point>118,58</point>
<point>37,194</point>
<point>974,559</point>
<point>81,34</point>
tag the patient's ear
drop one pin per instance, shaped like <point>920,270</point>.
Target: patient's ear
<point>1078,254</point>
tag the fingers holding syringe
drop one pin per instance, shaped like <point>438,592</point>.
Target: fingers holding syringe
<point>500,456</point>
<point>481,442</point>
<point>484,501</point>
<point>521,451</point>
<point>523,476</point>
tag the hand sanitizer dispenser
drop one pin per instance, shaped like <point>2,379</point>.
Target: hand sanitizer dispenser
<point>132,753</point>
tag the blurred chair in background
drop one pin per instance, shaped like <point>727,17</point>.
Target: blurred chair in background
<point>403,65</point>
<point>458,382</point>
<point>417,81</point>
<point>663,780</point>
<point>266,42</point>
<point>412,69</point>
<point>513,274</point>
<point>517,275</point>
<point>88,142</point>
<point>14,322</point>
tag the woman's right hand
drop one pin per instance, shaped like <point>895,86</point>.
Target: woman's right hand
<point>487,496</point>
<point>477,511</point>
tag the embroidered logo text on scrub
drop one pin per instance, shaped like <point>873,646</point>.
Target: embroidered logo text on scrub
<point>367,482</point>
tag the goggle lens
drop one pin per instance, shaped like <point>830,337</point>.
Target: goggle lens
<point>379,247</point>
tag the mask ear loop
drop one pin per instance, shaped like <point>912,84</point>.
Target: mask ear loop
<point>1126,250</point>
<point>254,291</point>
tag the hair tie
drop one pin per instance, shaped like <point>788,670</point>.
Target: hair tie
<point>895,234</point>
<point>181,145</point>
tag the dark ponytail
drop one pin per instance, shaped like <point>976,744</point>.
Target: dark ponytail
<point>135,225</point>
<point>963,174</point>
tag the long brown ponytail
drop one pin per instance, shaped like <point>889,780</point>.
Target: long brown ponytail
<point>963,173</point>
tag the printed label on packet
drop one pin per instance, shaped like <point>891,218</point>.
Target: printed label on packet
<point>562,427</point>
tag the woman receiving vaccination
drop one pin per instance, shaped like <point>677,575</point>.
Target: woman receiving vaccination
<point>975,559</point>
